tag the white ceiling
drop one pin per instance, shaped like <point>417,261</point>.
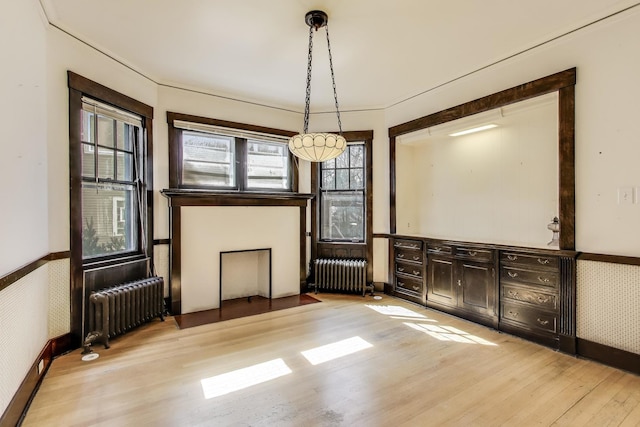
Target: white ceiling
<point>256,50</point>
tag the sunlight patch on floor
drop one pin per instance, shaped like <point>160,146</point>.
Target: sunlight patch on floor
<point>395,310</point>
<point>335,350</point>
<point>448,333</point>
<point>243,378</point>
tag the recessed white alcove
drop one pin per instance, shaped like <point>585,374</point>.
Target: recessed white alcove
<point>245,273</point>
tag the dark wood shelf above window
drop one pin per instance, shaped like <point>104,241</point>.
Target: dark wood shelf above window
<point>183,197</point>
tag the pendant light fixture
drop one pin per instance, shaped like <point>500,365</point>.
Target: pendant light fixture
<point>318,147</point>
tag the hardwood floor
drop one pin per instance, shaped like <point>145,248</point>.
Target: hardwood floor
<point>409,366</point>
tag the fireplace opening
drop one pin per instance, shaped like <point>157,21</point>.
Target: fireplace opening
<point>245,274</point>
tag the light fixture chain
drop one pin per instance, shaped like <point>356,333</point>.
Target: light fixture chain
<point>307,100</point>
<point>333,79</point>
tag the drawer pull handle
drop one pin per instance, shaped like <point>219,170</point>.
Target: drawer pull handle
<point>543,261</point>
<point>437,249</point>
<point>513,294</point>
<point>513,313</point>
<point>414,246</point>
<point>401,284</point>
<point>400,255</point>
<point>512,274</point>
<point>543,300</point>
<point>472,253</point>
<point>542,322</point>
<point>543,279</point>
<point>400,269</point>
<point>416,258</point>
<point>416,288</point>
<point>512,257</point>
<point>459,282</point>
<point>416,272</point>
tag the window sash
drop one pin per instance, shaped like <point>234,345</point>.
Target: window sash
<point>343,196</point>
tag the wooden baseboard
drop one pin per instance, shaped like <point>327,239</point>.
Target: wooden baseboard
<point>611,356</point>
<point>18,406</point>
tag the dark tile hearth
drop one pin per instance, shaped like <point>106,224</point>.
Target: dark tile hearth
<point>241,307</point>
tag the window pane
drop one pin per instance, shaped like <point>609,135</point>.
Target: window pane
<point>329,164</point>
<point>329,179</point>
<point>267,165</point>
<point>125,167</point>
<point>342,216</point>
<point>87,126</point>
<point>342,179</point>
<point>356,152</point>
<point>125,136</point>
<point>357,179</point>
<point>88,161</point>
<point>105,163</point>
<point>106,135</point>
<point>208,159</point>
<point>109,219</point>
<point>342,161</point>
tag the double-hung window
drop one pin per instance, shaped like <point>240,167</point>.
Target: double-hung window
<point>226,158</point>
<point>111,176</point>
<point>342,196</point>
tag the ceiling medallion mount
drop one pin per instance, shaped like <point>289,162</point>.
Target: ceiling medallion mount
<point>316,19</point>
<point>318,147</point>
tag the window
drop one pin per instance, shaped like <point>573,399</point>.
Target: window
<point>342,196</point>
<point>111,172</point>
<point>210,154</point>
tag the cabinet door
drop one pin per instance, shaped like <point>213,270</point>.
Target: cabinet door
<point>442,288</point>
<point>476,288</point>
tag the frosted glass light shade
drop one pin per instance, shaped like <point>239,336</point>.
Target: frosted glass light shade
<point>317,147</point>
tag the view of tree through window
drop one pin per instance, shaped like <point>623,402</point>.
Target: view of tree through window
<point>110,167</point>
<point>342,196</point>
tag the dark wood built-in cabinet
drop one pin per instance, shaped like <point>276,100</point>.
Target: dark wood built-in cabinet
<point>462,281</point>
<point>409,270</point>
<point>526,292</point>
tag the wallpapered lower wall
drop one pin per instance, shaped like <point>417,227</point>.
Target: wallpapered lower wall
<point>608,301</point>
<point>59,298</point>
<point>23,329</point>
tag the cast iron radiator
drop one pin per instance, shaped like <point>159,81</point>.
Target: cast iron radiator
<point>114,311</point>
<point>344,275</point>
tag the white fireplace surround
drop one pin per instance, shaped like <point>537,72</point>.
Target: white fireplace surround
<point>208,230</point>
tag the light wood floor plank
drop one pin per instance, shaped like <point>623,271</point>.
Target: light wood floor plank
<point>422,369</point>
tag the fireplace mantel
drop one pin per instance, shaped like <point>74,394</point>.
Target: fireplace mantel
<point>183,197</point>
<point>192,198</point>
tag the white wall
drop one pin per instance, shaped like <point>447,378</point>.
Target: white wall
<point>607,125</point>
<point>23,163</point>
<point>23,177</point>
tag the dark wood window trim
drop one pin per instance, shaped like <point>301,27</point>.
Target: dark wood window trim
<point>180,197</point>
<point>367,137</point>
<point>80,86</point>
<point>175,150</point>
<point>563,83</point>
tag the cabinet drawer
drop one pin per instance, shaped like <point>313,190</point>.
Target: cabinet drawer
<point>407,244</point>
<point>409,285</point>
<point>410,269</point>
<point>481,255</point>
<point>409,255</point>
<point>435,248</point>
<point>530,317</point>
<point>542,261</point>
<point>530,296</point>
<point>548,279</point>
